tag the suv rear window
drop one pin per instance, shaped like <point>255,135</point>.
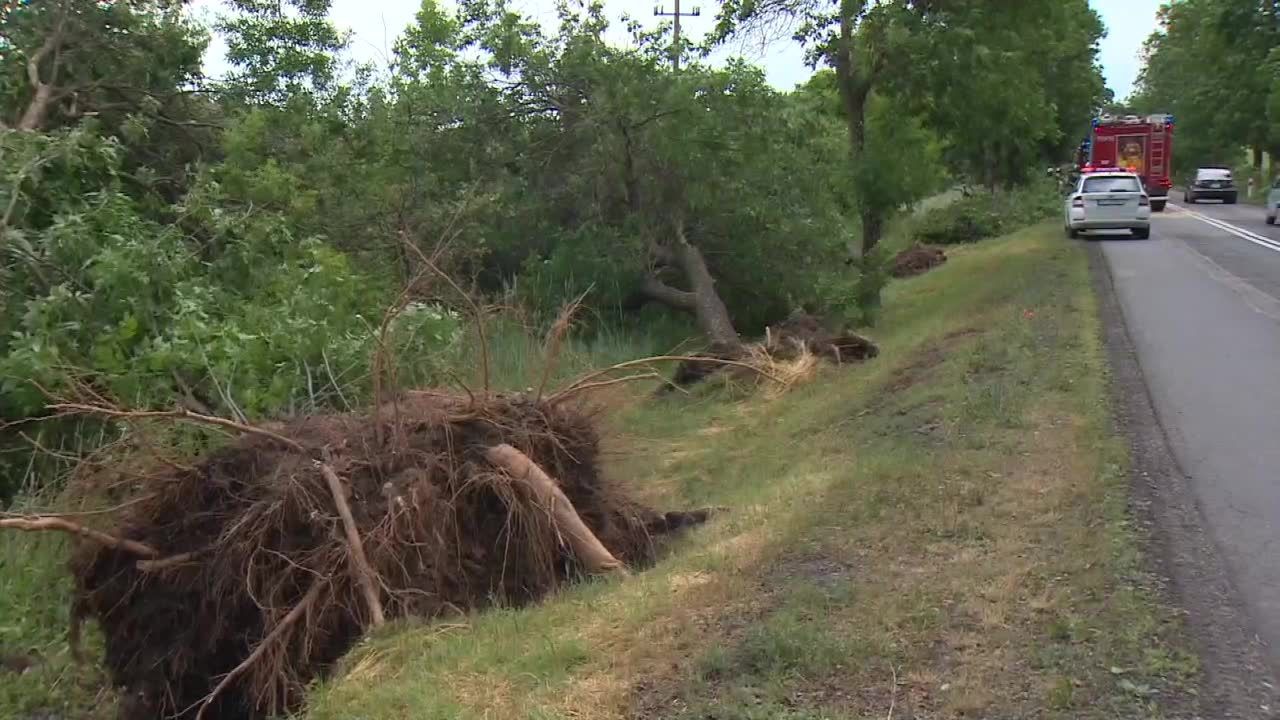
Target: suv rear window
<point>1115,183</point>
<point>1213,174</point>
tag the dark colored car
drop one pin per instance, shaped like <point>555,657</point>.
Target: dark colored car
<point>1212,184</point>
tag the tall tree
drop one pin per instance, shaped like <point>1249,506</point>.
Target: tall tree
<point>281,48</point>
<point>62,60</point>
<point>968,66</point>
<point>1214,65</point>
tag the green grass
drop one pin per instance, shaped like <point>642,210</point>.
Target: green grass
<point>38,677</point>
<point>517,353</point>
<point>943,530</point>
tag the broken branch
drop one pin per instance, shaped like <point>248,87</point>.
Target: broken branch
<point>555,340</point>
<point>476,312</point>
<point>587,387</point>
<point>171,561</point>
<point>179,414</point>
<point>655,289</point>
<point>575,385</point>
<point>363,571</point>
<point>39,523</point>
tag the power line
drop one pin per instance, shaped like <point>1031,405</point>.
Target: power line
<point>675,45</point>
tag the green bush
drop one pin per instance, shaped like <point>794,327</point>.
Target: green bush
<point>985,215</point>
<point>226,309</point>
<point>967,220</point>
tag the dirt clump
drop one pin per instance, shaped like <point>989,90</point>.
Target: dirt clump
<point>916,260</point>
<point>19,663</point>
<point>790,340</point>
<point>805,330</point>
<point>256,592</point>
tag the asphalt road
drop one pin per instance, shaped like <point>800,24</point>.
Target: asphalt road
<point>1201,300</point>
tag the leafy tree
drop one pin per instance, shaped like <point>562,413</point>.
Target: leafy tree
<point>678,189</point>
<point>241,317</point>
<point>62,60</point>
<point>280,48</point>
<point>232,246</point>
<point>968,66</point>
<point>1213,64</point>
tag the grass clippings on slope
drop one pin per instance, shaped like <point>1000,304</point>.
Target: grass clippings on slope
<point>942,531</point>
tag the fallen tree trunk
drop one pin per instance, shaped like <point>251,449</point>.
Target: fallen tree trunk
<point>593,555</point>
<point>703,300</point>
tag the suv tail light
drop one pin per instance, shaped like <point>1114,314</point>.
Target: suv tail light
<point>1144,201</point>
<point>1166,183</point>
<point>1077,202</point>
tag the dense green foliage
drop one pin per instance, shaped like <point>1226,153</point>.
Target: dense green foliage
<point>1008,85</point>
<point>1215,64</point>
<point>983,215</point>
<point>234,246</point>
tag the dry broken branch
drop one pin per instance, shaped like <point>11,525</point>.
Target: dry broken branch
<point>380,363</point>
<point>168,562</point>
<point>476,312</point>
<point>588,387</point>
<point>36,523</point>
<point>179,414</point>
<point>576,385</point>
<point>363,571</point>
<point>555,340</point>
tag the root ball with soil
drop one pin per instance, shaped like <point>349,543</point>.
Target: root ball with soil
<point>257,579</point>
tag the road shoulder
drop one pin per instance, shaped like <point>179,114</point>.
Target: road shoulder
<point>1236,680</point>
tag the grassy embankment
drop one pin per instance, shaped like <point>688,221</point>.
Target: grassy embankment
<point>942,531</point>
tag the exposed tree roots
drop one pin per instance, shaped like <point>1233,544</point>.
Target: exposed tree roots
<point>236,579</point>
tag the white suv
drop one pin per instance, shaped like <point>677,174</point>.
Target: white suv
<point>1108,200</point>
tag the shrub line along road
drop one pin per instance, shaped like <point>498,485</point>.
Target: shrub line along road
<point>1201,301</point>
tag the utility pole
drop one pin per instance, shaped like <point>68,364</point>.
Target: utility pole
<point>675,45</point>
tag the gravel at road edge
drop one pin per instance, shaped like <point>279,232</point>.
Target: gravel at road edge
<point>1236,680</point>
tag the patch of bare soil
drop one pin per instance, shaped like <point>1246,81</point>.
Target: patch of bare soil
<point>923,362</point>
<point>667,692</point>
<point>916,371</point>
<point>259,587</point>
<point>916,260</point>
<point>19,662</point>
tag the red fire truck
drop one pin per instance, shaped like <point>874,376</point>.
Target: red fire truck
<point>1141,144</point>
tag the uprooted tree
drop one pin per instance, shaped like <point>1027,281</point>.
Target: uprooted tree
<point>228,581</point>
<point>683,190</point>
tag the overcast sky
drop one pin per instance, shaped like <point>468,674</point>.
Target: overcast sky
<point>376,23</point>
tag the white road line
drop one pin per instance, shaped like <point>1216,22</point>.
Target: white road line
<point>1256,239</point>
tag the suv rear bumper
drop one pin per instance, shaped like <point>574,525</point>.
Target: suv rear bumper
<point>1133,224</point>
<point>1213,193</point>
